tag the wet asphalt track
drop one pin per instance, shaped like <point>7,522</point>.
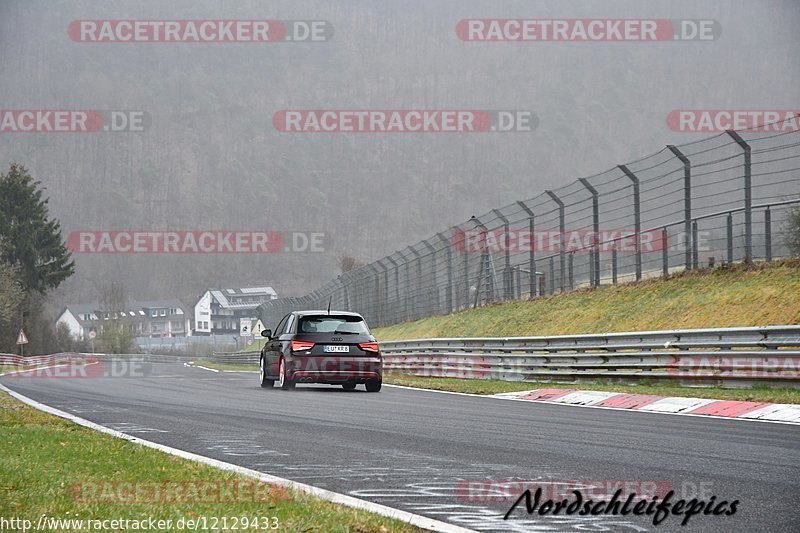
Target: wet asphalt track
<point>418,450</point>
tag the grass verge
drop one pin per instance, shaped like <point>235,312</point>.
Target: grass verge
<point>740,295</point>
<point>47,465</point>
<point>226,366</point>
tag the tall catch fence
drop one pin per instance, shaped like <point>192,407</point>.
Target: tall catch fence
<point>719,200</point>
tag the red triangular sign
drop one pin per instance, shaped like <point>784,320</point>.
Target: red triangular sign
<point>21,338</point>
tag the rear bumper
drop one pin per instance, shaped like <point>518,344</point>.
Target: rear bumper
<point>335,369</point>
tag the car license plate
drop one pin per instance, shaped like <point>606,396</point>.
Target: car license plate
<point>336,349</point>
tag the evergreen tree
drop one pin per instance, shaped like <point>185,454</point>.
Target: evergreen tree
<point>30,240</point>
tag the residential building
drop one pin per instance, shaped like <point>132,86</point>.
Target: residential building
<point>227,311</point>
<point>159,318</point>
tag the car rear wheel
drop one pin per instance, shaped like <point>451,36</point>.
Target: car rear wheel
<point>283,382</point>
<point>265,381</point>
<point>350,385</point>
<point>374,385</point>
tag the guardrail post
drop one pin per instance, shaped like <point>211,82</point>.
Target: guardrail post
<point>664,253</point>
<point>768,234</point>
<point>508,283</point>
<point>637,220</point>
<point>687,201</point>
<point>562,231</point>
<point>614,264</point>
<point>748,197</point>
<point>595,229</point>
<point>448,293</point>
<point>695,263</point>
<point>531,254</point>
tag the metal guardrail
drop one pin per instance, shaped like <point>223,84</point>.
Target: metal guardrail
<point>741,355</point>
<point>34,360</point>
<point>236,358</point>
<point>737,355</point>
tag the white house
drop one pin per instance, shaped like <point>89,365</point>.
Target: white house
<point>222,311</point>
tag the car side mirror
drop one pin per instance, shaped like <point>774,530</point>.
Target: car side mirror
<point>266,333</point>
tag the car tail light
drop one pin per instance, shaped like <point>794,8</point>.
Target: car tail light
<point>369,346</point>
<point>301,346</point>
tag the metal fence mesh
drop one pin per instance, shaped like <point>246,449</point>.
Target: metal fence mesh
<point>718,200</point>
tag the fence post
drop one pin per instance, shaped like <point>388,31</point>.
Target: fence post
<point>571,271</point>
<point>448,293</point>
<point>748,197</point>
<point>665,253</point>
<point>729,225</point>
<point>552,276</point>
<point>508,283</point>
<point>485,266</point>
<point>614,265</point>
<point>407,314</point>
<point>381,298</point>
<point>531,254</point>
<point>395,309</point>
<point>637,220</point>
<point>595,229</point>
<point>768,234</point>
<point>433,293</point>
<point>687,201</point>
<point>695,248</point>
<point>562,230</point>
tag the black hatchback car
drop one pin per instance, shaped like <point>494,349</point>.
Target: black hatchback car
<point>333,347</point>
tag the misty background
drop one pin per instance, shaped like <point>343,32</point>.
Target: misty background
<point>211,158</point>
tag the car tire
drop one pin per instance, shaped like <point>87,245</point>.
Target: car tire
<point>283,383</point>
<point>350,385</point>
<point>374,385</point>
<point>265,381</point>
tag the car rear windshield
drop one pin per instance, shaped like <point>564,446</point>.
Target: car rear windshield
<point>333,324</point>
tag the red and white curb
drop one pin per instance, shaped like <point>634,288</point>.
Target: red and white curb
<point>773,412</point>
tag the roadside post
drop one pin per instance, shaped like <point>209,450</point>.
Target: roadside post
<point>22,340</point>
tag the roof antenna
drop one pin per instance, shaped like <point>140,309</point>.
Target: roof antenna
<point>329,304</point>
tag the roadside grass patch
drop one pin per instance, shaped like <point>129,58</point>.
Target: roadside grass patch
<point>760,294</point>
<point>44,458</point>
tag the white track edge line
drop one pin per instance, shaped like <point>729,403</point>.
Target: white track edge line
<point>324,494</point>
